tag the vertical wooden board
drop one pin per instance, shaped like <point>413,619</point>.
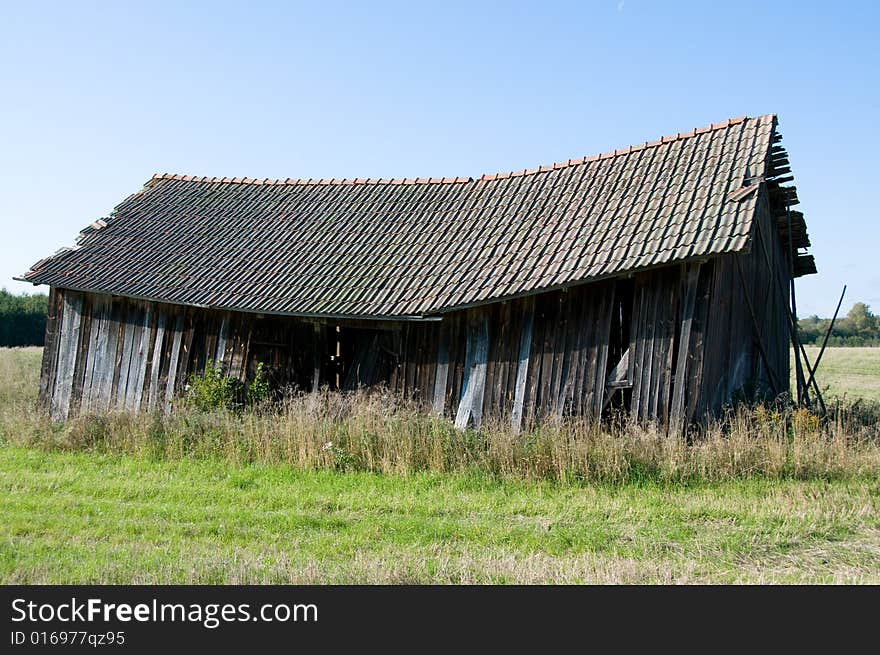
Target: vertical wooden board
<point>67,355</point>
<point>716,346</point>
<point>442,371</point>
<point>470,409</point>
<point>106,371</point>
<point>561,358</point>
<point>222,340</point>
<point>136,386</point>
<point>148,358</point>
<point>637,347</point>
<point>494,398</point>
<point>410,361</point>
<point>658,345</point>
<point>156,363</point>
<point>97,354</point>
<point>683,365</point>
<point>649,309</point>
<point>129,326</point>
<point>522,365</point>
<point>536,358</point>
<point>591,357</point>
<point>580,355</point>
<point>174,358</point>
<point>584,371</point>
<point>544,402</point>
<point>186,364</point>
<point>699,328</point>
<point>493,316</point>
<point>478,376</point>
<point>514,342</point>
<point>82,355</point>
<point>463,413</point>
<point>512,333</point>
<point>668,347</point>
<point>137,329</point>
<point>724,378</point>
<point>602,345</point>
<point>456,363</point>
<point>50,348</point>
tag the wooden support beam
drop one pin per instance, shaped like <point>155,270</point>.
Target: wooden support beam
<point>522,369</point>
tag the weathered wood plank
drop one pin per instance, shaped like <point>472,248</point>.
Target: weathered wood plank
<point>176,343</point>
<point>470,409</point>
<point>97,354</point>
<point>50,348</point>
<point>135,393</point>
<point>222,339</point>
<point>129,326</point>
<point>522,368</point>
<point>156,363</point>
<point>685,357</point>
<point>82,355</point>
<point>442,372</point>
<point>67,352</point>
<point>602,345</point>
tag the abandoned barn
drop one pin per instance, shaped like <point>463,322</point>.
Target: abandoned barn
<point>655,280</point>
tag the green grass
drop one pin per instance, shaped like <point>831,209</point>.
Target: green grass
<point>80,508</point>
<point>79,517</point>
<point>848,372</point>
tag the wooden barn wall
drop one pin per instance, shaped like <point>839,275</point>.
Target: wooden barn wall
<point>747,333</point>
<point>106,353</point>
<point>676,342</point>
<point>527,358</point>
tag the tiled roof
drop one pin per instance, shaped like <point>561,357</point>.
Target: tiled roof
<point>415,247</point>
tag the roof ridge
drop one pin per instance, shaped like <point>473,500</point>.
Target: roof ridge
<point>486,177</point>
<point>310,181</point>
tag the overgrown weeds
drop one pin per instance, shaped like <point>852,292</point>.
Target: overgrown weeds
<point>378,432</point>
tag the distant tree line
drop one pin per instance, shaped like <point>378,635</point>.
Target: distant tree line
<point>22,319</point>
<point>860,327</point>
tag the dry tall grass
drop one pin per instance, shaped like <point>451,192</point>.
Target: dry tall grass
<point>376,432</point>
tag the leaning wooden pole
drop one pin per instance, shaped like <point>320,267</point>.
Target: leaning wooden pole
<point>827,335</point>
<point>771,374</point>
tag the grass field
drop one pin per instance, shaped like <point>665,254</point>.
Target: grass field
<point>79,511</point>
<point>848,372</point>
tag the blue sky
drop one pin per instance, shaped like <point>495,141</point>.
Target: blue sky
<point>96,97</point>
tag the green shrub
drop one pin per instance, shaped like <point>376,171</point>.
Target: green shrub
<point>214,390</point>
